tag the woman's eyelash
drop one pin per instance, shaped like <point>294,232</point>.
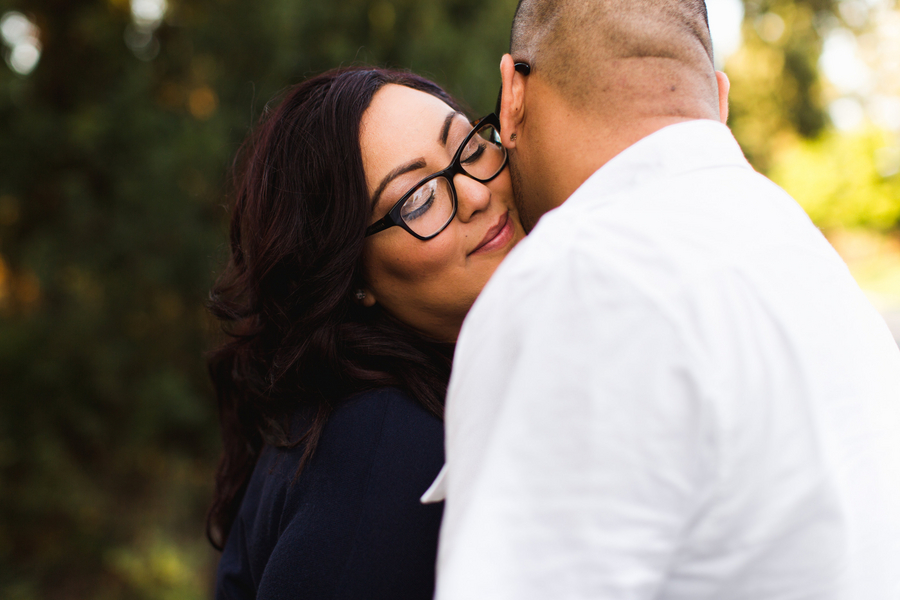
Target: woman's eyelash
<point>418,211</point>
<point>474,156</point>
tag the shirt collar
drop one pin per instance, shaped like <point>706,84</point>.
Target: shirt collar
<point>669,152</point>
<point>437,491</point>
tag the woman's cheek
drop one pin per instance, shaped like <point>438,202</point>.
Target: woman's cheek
<point>422,261</point>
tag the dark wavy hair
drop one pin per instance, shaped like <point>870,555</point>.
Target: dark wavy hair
<point>296,340</point>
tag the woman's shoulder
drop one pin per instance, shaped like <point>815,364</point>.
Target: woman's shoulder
<point>363,434</point>
<point>389,402</point>
<point>384,416</point>
<point>395,440</point>
<point>355,427</point>
<point>359,422</point>
<point>357,499</point>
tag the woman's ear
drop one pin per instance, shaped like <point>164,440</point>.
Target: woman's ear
<point>364,297</point>
<point>512,102</point>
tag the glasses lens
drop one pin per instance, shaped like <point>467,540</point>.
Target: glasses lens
<point>429,208</point>
<point>483,155</point>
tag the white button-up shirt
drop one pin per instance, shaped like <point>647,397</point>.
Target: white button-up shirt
<point>673,389</point>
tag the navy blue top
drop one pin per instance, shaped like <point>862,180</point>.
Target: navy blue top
<point>351,526</point>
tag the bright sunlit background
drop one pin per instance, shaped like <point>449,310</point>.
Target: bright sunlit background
<point>118,121</point>
<point>844,169</point>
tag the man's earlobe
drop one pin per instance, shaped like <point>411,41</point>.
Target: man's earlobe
<point>724,86</point>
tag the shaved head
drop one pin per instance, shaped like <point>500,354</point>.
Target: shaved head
<point>572,42</point>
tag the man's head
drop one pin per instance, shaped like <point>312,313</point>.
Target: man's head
<point>604,74</point>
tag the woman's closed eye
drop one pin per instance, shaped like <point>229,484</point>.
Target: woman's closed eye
<point>472,155</point>
<point>420,202</point>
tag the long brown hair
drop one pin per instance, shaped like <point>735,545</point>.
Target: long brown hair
<point>296,341</point>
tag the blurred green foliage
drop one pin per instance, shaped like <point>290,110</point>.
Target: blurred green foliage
<point>113,175</point>
<point>776,88</point>
<point>113,188</point>
<point>844,180</point>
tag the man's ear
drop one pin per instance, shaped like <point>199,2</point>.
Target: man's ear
<point>512,102</point>
<point>724,86</point>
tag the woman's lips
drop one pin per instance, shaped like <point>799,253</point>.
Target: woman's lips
<point>497,236</point>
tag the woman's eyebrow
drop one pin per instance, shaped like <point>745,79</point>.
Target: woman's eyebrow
<point>445,130</point>
<point>418,163</point>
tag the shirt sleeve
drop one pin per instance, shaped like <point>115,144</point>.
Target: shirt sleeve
<point>578,443</point>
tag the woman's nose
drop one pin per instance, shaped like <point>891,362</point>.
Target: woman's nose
<point>472,196</point>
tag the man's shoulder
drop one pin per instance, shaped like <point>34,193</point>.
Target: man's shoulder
<point>538,267</point>
<point>650,246</point>
<point>592,245</point>
<point>567,269</point>
<point>553,247</point>
<point>666,228</point>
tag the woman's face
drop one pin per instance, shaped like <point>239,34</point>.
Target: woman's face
<point>429,285</point>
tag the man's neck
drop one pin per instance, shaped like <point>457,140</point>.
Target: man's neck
<point>569,139</point>
<point>593,147</point>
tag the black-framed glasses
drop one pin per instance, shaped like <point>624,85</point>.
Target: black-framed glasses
<point>427,209</point>
<point>521,67</point>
